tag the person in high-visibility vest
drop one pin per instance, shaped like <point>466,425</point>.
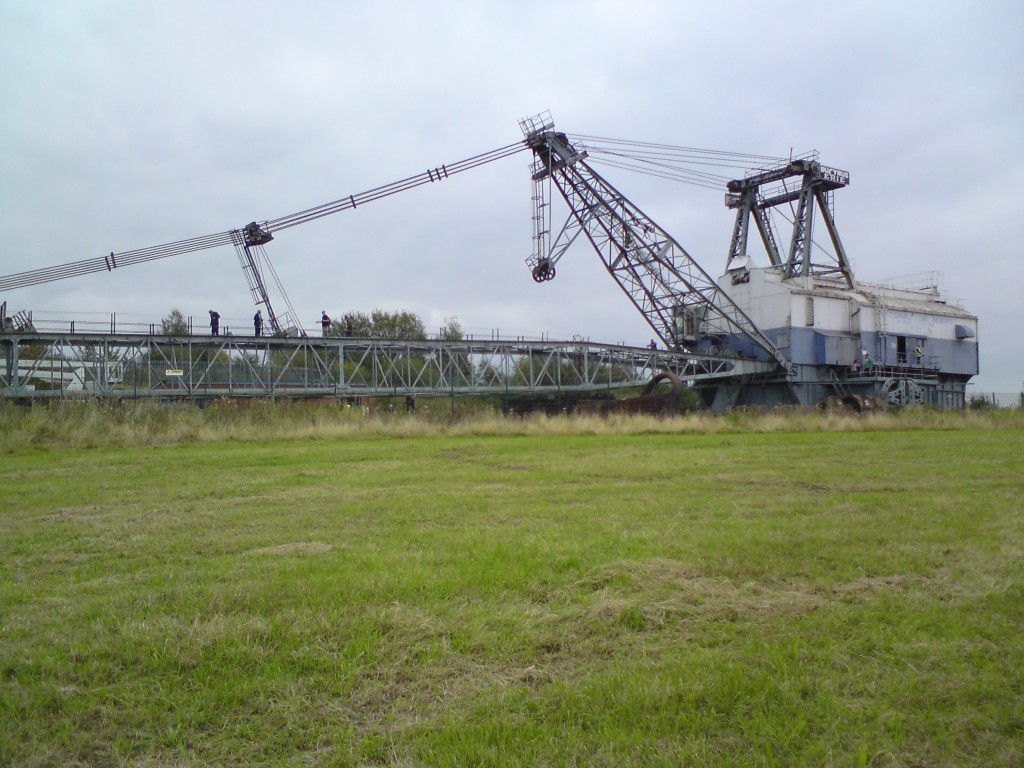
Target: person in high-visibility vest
<point>917,355</point>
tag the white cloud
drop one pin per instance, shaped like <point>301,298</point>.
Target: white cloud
<point>130,124</point>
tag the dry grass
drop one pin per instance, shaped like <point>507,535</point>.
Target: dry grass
<point>93,424</point>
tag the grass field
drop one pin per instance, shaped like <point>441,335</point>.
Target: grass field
<point>190,589</point>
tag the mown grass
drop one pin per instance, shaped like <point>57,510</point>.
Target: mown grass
<point>182,588</point>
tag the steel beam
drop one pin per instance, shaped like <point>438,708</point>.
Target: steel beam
<point>48,365</point>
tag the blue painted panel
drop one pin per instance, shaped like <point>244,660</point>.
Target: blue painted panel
<point>805,346</point>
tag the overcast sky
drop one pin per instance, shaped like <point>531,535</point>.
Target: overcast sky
<point>128,124</point>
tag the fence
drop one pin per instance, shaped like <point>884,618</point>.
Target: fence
<point>996,399</point>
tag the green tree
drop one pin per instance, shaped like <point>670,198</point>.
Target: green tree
<point>36,352</point>
<point>451,330</point>
<point>979,403</point>
<point>381,325</point>
<point>152,364</point>
<point>535,368</point>
<point>397,325</point>
<point>174,324</point>
<point>489,376</point>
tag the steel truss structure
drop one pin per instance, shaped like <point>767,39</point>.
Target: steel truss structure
<point>814,193</point>
<point>680,301</point>
<point>48,365</point>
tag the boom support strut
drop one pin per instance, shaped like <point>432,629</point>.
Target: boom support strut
<point>816,184</point>
<point>679,300</point>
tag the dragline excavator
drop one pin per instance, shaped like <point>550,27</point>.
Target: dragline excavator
<point>677,298</point>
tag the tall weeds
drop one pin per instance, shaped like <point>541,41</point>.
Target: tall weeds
<point>134,423</point>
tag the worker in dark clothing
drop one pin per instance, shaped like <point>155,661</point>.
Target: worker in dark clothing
<point>653,344</point>
<point>348,326</point>
<point>257,323</point>
<point>214,323</point>
<point>325,321</point>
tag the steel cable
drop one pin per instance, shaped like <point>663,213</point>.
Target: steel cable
<point>191,245</point>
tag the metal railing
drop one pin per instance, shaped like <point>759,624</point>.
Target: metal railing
<point>123,365</point>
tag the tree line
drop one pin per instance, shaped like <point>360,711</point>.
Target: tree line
<point>378,324</point>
